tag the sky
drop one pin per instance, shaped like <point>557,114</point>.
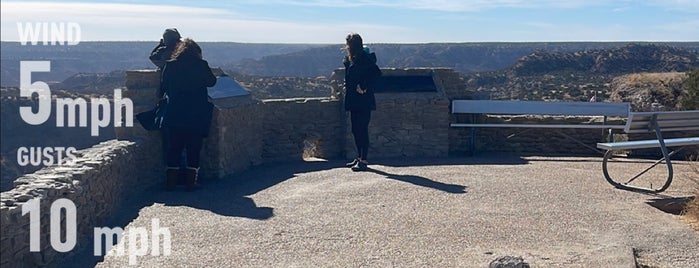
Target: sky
<point>378,21</point>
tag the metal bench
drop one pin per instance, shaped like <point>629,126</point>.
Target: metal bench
<point>506,107</point>
<point>648,122</point>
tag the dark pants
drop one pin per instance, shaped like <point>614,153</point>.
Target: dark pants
<point>179,140</point>
<point>360,129</point>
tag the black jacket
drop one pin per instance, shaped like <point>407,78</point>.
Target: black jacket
<point>185,82</point>
<point>362,71</point>
<point>161,54</point>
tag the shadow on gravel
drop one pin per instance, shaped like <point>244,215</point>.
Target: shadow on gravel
<point>671,205</point>
<point>479,159</point>
<point>230,196</point>
<point>422,181</point>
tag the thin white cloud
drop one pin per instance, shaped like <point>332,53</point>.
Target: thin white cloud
<point>688,6</point>
<point>621,9</point>
<point>688,30</point>
<point>691,6</point>
<point>441,5</point>
<point>109,21</point>
<point>38,10</point>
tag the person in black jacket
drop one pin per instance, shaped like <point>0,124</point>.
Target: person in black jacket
<point>361,74</point>
<point>163,51</point>
<point>184,83</point>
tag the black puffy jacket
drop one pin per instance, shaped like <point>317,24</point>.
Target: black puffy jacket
<point>185,82</point>
<point>361,71</point>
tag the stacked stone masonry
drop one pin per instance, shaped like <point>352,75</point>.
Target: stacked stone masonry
<point>96,182</point>
<point>298,128</point>
<point>531,141</point>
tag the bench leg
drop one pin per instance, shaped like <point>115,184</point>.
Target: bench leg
<point>472,139</point>
<point>472,142</point>
<point>625,185</point>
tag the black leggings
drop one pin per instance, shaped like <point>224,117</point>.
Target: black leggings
<point>360,130</point>
<point>179,140</point>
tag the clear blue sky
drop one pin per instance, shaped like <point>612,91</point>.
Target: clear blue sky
<point>378,21</point>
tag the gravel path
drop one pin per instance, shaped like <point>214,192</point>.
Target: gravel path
<point>452,212</point>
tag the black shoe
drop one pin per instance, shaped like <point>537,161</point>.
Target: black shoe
<point>353,163</point>
<point>360,167</point>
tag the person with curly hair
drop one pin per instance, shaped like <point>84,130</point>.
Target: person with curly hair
<point>186,123</point>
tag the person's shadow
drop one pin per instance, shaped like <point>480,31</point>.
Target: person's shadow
<point>422,181</point>
<point>219,197</point>
<point>230,196</point>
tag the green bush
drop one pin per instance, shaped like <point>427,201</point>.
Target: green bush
<point>690,91</point>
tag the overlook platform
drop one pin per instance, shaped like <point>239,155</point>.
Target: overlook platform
<point>438,212</point>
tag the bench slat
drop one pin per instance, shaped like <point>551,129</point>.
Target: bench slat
<point>538,126</point>
<point>663,129</point>
<point>667,114</point>
<point>640,124</point>
<point>541,107</point>
<point>628,145</point>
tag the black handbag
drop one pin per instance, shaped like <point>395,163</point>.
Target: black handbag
<point>153,119</point>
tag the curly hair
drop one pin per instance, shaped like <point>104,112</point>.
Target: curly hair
<point>187,49</point>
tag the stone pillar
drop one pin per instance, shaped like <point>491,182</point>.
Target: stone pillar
<point>141,88</point>
<point>234,143</point>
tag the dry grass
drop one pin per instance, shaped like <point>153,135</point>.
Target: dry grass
<point>691,210</point>
<point>644,89</point>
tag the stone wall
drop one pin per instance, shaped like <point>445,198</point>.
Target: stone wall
<point>407,125</point>
<point>234,143</point>
<point>16,133</point>
<point>298,128</point>
<point>247,132</point>
<point>96,183</point>
<point>531,141</point>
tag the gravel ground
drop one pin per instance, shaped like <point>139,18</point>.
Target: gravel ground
<point>455,212</point>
